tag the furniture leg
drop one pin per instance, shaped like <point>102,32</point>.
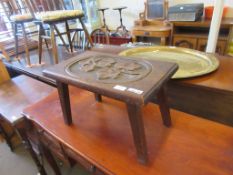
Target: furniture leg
<point>31,151</point>
<point>60,36</point>
<point>46,43</point>
<point>2,49</point>
<point>163,41</point>
<point>26,45</point>
<point>63,92</point>
<point>98,97</point>
<point>49,157</point>
<point>54,44</point>
<point>41,32</point>
<point>137,126</point>
<point>68,36</point>
<point>5,135</point>
<point>16,40</point>
<point>164,108</point>
<point>86,32</point>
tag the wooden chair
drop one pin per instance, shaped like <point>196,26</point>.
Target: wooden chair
<point>16,94</point>
<point>52,18</point>
<point>18,15</point>
<point>100,36</point>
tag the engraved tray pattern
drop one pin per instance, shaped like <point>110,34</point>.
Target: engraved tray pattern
<point>107,69</point>
<point>191,63</point>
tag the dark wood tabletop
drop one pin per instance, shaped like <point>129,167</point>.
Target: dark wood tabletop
<point>20,92</point>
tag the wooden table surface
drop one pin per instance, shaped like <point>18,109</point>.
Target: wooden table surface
<point>20,92</point>
<point>101,135</point>
<point>221,80</point>
<point>209,96</point>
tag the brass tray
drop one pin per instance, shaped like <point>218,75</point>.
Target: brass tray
<point>191,63</point>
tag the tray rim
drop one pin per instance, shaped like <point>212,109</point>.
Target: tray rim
<point>208,56</point>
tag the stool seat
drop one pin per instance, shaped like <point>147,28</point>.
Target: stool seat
<point>120,8</point>
<point>103,9</point>
<point>21,17</point>
<point>51,16</point>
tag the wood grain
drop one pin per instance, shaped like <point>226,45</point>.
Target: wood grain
<point>102,137</point>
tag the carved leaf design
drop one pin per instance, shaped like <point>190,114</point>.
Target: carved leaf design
<point>108,73</point>
<point>106,62</point>
<point>127,66</point>
<point>88,66</point>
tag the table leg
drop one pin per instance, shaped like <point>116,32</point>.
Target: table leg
<point>5,135</point>
<point>137,126</point>
<point>163,41</point>
<point>164,108</point>
<point>63,92</point>
<point>28,146</point>
<point>49,157</point>
<point>98,97</point>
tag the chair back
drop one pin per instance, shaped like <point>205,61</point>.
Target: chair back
<point>45,5</point>
<point>100,36</point>
<point>4,75</point>
<point>14,7</point>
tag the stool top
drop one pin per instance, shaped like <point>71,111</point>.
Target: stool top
<point>103,9</point>
<point>120,8</point>
<point>131,80</point>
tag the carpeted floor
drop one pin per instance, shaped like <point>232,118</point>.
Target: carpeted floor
<point>20,163</point>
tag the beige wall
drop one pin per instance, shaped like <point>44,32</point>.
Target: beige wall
<point>136,6</point>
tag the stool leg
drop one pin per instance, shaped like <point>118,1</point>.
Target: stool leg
<point>26,45</point>
<point>54,45</point>
<point>16,39</point>
<point>68,36</point>
<point>86,32</point>
<point>137,127</point>
<point>164,108</point>
<point>60,36</point>
<point>40,33</point>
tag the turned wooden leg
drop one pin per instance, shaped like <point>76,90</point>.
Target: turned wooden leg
<point>26,45</point>
<point>54,44</point>
<point>40,33</point>
<point>86,32</point>
<point>137,126</point>
<point>16,40</point>
<point>63,92</point>
<point>164,108</point>
<point>60,36</point>
<point>68,36</point>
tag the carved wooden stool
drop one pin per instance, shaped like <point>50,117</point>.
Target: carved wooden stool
<point>132,81</point>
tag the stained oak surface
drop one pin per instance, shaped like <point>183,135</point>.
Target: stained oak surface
<point>101,134</point>
<point>19,92</point>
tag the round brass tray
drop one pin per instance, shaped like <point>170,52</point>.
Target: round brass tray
<point>191,63</point>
